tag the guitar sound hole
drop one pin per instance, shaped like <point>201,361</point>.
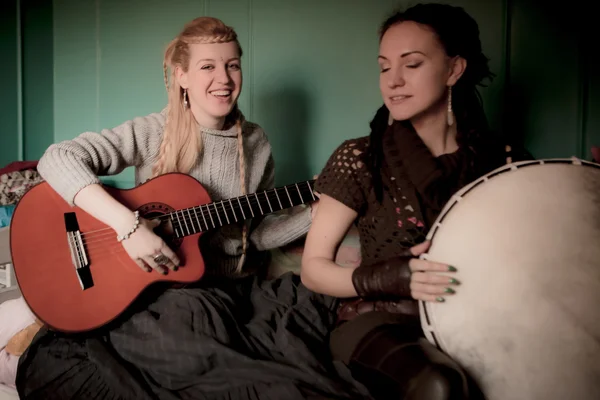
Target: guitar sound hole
<point>164,230</point>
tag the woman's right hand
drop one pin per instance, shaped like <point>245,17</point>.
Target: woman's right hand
<point>143,246</point>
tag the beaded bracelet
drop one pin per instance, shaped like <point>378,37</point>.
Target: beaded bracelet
<point>133,229</point>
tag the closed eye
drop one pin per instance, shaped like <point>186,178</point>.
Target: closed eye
<point>415,65</point>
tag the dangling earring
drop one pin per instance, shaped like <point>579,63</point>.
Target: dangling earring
<point>185,99</point>
<point>450,114</point>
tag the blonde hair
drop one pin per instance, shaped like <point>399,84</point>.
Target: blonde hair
<point>181,144</point>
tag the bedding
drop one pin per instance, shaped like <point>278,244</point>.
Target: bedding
<point>13,185</point>
<point>15,316</point>
<point>8,393</point>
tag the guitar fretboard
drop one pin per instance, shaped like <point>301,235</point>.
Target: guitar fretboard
<point>189,221</point>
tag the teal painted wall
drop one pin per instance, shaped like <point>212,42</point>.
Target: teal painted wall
<point>26,76</point>
<point>310,72</point>
<point>10,130</point>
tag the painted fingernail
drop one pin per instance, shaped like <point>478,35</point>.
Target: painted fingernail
<point>175,268</point>
<point>453,281</point>
<point>440,299</point>
<point>449,290</point>
<point>451,268</point>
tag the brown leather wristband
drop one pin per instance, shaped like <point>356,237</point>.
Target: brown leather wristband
<point>387,279</point>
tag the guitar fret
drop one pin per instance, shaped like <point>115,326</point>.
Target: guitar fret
<point>289,198</point>
<point>198,219</point>
<point>175,227</point>
<point>250,206</point>
<point>218,216</point>
<point>185,223</point>
<point>311,192</point>
<point>279,200</point>
<point>212,221</point>
<point>225,211</point>
<point>258,201</point>
<point>268,201</point>
<point>299,193</point>
<point>204,218</point>
<point>233,210</point>
<point>191,220</point>
<point>243,214</point>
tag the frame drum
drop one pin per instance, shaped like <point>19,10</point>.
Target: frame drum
<point>524,321</point>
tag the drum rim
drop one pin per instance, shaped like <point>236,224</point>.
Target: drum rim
<point>427,323</point>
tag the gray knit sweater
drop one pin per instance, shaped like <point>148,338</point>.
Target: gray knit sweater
<point>71,165</point>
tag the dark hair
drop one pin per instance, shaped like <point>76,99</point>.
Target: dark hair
<point>458,33</point>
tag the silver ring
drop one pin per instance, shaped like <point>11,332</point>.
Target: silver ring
<point>161,259</point>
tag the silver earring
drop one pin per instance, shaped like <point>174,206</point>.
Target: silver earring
<point>185,99</point>
<point>450,114</point>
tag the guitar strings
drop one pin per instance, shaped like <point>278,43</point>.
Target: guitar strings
<point>184,216</point>
<point>102,250</point>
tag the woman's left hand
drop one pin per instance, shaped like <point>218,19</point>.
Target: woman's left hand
<point>426,283</point>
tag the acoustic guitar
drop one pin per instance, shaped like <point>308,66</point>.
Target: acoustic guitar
<point>74,274</point>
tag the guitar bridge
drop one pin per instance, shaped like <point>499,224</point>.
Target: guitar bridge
<point>79,255</point>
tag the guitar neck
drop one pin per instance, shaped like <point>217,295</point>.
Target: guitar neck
<point>189,221</point>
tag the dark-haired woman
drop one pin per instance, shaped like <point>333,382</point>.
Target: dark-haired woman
<point>429,139</point>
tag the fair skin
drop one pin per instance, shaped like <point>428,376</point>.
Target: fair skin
<point>415,75</point>
<point>213,82</point>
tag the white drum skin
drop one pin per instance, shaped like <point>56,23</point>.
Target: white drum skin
<point>525,319</point>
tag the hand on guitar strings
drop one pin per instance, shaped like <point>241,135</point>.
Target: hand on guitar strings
<point>146,248</point>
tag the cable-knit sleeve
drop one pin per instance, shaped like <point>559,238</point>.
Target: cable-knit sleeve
<point>344,173</point>
<point>283,227</point>
<point>71,165</point>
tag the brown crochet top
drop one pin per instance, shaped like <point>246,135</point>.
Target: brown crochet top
<point>416,186</point>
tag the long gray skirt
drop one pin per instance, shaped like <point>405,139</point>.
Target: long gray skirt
<point>247,339</point>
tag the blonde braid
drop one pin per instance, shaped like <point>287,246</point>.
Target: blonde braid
<point>223,38</point>
<point>240,142</point>
<point>166,144</point>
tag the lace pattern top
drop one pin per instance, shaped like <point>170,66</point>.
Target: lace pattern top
<point>416,186</point>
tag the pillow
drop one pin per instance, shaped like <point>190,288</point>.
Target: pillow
<point>8,368</point>
<point>289,258</point>
<point>15,316</point>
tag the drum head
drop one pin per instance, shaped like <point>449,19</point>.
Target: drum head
<point>524,322</point>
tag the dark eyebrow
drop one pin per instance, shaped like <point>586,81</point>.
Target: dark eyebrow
<point>404,54</point>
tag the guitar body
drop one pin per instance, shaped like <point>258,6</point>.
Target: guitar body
<point>44,264</point>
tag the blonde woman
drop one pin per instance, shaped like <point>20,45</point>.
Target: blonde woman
<point>234,336</point>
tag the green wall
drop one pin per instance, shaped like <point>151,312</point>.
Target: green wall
<point>10,129</point>
<point>26,78</point>
<point>310,72</point>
